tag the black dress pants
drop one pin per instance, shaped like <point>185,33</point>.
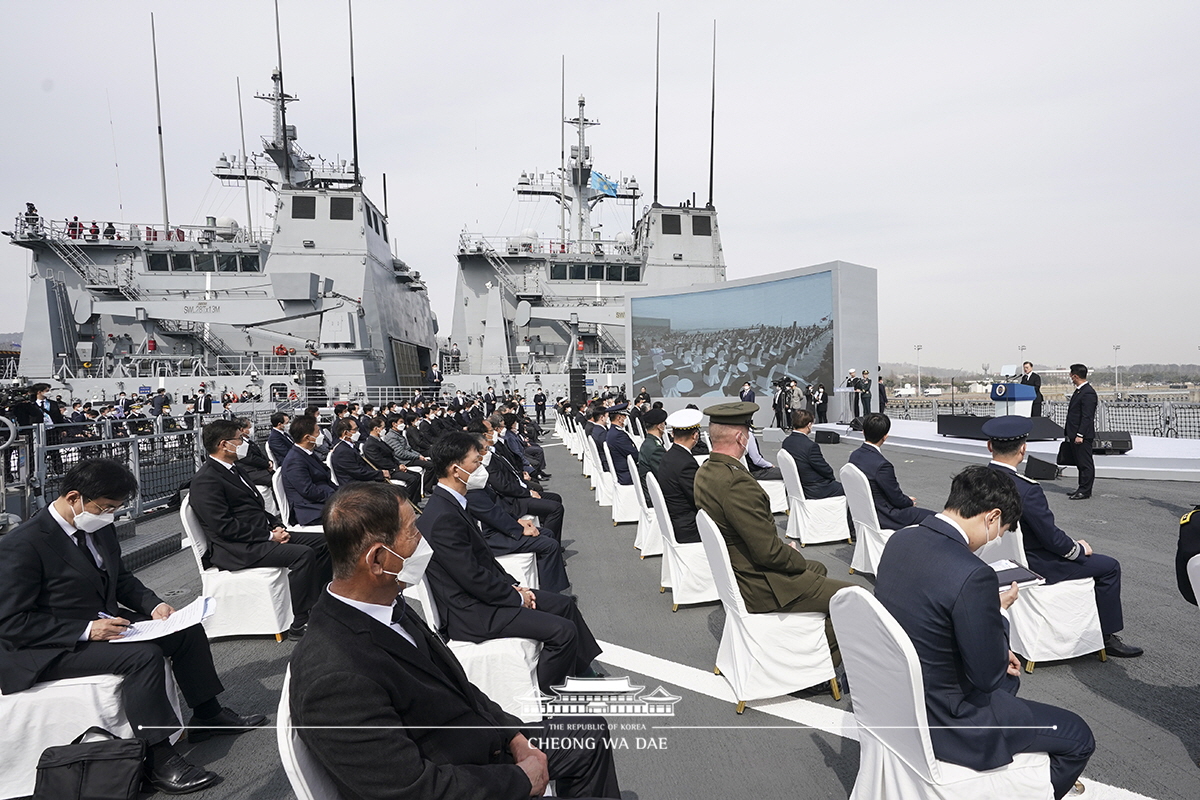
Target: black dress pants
<point>410,483</point>
<point>144,691</point>
<point>568,646</point>
<point>306,557</point>
<point>1066,738</point>
<point>578,762</point>
<point>1086,462</point>
<point>548,509</point>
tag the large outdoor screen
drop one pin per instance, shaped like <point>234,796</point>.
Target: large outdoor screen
<point>708,343</point>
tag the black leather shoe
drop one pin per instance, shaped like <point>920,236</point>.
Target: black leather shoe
<point>227,723</point>
<point>1079,496</point>
<point>176,776</point>
<point>1113,646</point>
<point>296,631</point>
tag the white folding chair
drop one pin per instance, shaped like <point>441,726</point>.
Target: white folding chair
<point>603,479</point>
<point>649,535</point>
<point>329,463</point>
<point>896,759</point>
<point>503,669</point>
<point>763,655</point>
<point>811,521</point>
<point>1193,571</point>
<point>685,569</point>
<point>285,508</point>
<point>308,777</point>
<point>777,493</point>
<point>624,498</point>
<point>523,567</point>
<point>1050,622</point>
<point>870,537</point>
<point>249,602</point>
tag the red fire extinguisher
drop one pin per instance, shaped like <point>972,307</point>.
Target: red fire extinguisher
<point>579,345</point>
<point>152,345</point>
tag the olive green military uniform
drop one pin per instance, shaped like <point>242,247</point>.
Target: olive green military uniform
<point>771,575</point>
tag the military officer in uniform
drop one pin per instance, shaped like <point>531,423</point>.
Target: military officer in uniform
<point>677,474</point>
<point>651,452</point>
<point>620,444</point>
<point>771,576</point>
<point>1051,553</point>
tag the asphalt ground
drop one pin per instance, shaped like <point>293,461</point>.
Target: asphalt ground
<point>1143,711</point>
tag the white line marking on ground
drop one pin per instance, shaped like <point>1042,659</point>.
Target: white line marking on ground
<point>802,712</point>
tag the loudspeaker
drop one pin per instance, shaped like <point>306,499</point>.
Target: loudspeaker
<point>827,437</point>
<point>1040,470</point>
<point>1109,443</point>
<point>856,424</point>
<point>578,393</point>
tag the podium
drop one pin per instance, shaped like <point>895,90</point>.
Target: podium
<point>846,406</point>
<point>1013,398</point>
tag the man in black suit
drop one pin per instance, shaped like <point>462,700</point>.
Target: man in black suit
<point>203,404</point>
<point>620,445</point>
<point>517,495</point>
<point>677,474</point>
<point>478,600</point>
<point>376,453</point>
<point>344,459</point>
<point>945,598</point>
<point>1189,545</point>
<point>384,706</point>
<point>160,399</point>
<point>1052,553</point>
<point>1080,429</point>
<point>489,401</point>
<point>1031,378</point>
<point>241,534</point>
<point>895,509</point>
<point>539,405</point>
<point>254,463</point>
<point>62,586</point>
<point>817,478</point>
<point>306,480</point>
<point>278,440</point>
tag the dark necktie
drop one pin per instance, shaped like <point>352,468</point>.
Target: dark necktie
<point>81,540</point>
<point>401,618</point>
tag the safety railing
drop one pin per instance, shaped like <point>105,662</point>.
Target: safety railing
<point>92,232</point>
<point>1172,420</point>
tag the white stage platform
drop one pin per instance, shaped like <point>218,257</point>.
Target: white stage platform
<point>1152,458</point>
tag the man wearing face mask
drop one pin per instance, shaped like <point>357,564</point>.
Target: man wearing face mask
<point>947,601</point>
<point>478,599</point>
<point>771,575</point>
<point>346,462</point>
<point>306,480</point>
<point>372,685</point>
<point>620,445</point>
<point>377,454</point>
<point>63,589</point>
<point>242,533</point>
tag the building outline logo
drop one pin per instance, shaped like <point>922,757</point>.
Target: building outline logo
<point>610,697</point>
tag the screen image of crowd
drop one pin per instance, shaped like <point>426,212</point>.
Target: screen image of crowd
<point>709,344</point>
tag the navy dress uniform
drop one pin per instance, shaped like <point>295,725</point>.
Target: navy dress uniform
<point>677,477</point>
<point>1052,553</point>
<point>620,445</point>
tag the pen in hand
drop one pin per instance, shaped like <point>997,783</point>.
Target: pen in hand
<point>128,626</point>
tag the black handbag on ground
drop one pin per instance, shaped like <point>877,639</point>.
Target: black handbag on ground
<point>105,770</point>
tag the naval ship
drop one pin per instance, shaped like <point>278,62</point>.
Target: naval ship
<point>531,307</point>
<point>316,307</point>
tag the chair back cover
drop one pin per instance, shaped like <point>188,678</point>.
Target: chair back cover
<point>660,507</point>
<point>195,534</point>
<point>285,510</point>
<point>858,495</point>
<point>633,473</point>
<point>719,563</point>
<point>791,475</point>
<point>309,779</point>
<point>882,665</point>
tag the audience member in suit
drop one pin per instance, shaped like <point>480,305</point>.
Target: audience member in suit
<point>384,706</point>
<point>60,575</point>
<point>759,467</point>
<point>255,463</point>
<point>651,453</point>
<point>1080,429</point>
<point>945,599</point>
<point>204,403</point>
<point>477,599</point>
<point>278,440</point>
<point>531,454</point>
<point>519,496</point>
<point>620,445</point>
<point>241,534</point>
<point>747,393</point>
<point>1051,553</point>
<point>346,462</point>
<point>817,478</point>
<point>1031,378</point>
<point>677,474</point>
<point>895,509</point>
<point>1189,545</point>
<point>396,436</point>
<point>306,480</point>
<point>377,454</point>
<point>324,442</point>
<point>599,432</point>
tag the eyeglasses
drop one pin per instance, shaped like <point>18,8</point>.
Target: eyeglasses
<point>105,509</point>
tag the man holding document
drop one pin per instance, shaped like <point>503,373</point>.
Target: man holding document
<point>62,589</point>
<point>948,601</point>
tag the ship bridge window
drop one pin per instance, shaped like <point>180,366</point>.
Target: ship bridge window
<point>157,262</point>
<point>578,272</point>
<point>633,272</point>
<point>304,207</point>
<point>595,272</point>
<point>250,262</point>
<point>614,272</point>
<point>558,272</point>
<point>671,224</point>
<point>227,262</point>
<point>701,225</point>
<point>383,227</point>
<point>181,262</point>
<point>341,208</point>
<point>206,262</point>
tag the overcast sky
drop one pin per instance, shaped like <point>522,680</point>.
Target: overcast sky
<point>1019,173</point>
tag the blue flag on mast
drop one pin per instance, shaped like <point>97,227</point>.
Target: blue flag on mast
<point>603,185</point>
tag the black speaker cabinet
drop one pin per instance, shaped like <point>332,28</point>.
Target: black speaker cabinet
<point>827,437</point>
<point>578,392</point>
<point>1040,470</point>
<point>1112,443</point>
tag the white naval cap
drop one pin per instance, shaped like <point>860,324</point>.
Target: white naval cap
<point>685,418</point>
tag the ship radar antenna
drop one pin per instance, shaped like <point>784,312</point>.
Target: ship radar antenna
<point>658,37</point>
<point>712,131</point>
<point>353,97</point>
<point>287,156</point>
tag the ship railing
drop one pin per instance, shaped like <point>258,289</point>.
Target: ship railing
<point>93,232</point>
<point>553,247</point>
<point>175,365</point>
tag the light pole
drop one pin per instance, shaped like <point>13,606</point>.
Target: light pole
<point>918,348</point>
<point>1021,348</point>
<point>1117,370</point>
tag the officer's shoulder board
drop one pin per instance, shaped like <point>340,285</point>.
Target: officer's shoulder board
<point>1027,479</point>
<point>1187,518</point>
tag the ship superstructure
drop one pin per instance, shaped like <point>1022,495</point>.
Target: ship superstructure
<point>316,305</point>
<point>543,304</point>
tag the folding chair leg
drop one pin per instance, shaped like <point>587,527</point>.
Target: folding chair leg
<point>662,589</point>
<point>852,570</point>
<point>741,706</point>
<point>1103,654</point>
<point>716,670</point>
<point>1029,667</point>
<point>834,689</point>
<point>279,637</point>
<point>674,607</point>
<point>802,544</point>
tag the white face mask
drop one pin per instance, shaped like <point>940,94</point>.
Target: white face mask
<point>477,479</point>
<point>243,449</point>
<point>90,523</point>
<point>414,566</point>
<point>354,437</point>
<point>487,458</point>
